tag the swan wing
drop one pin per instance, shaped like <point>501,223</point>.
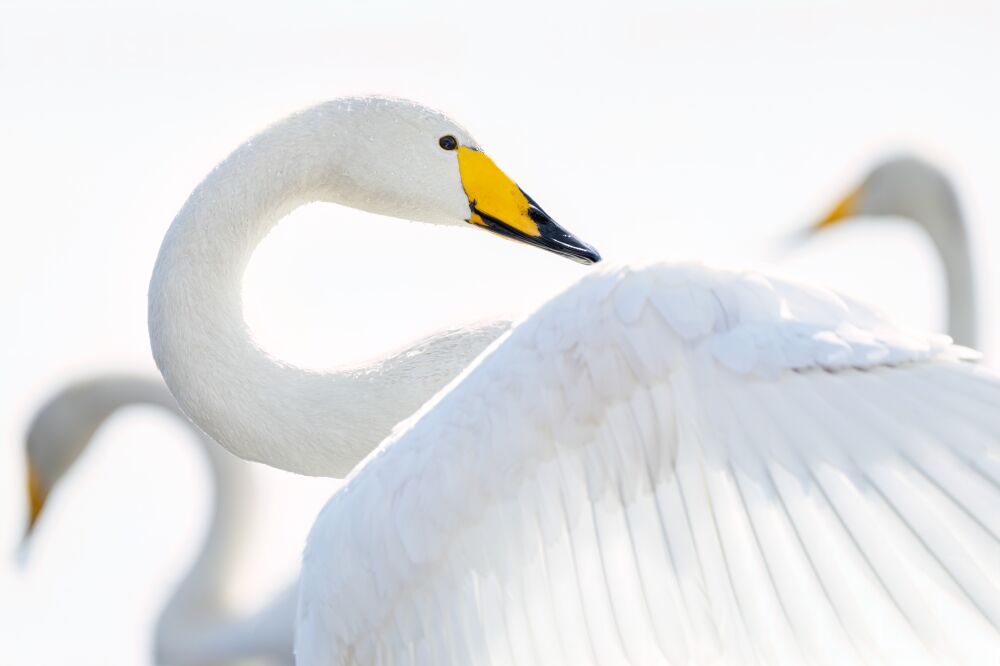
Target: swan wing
<point>671,465</point>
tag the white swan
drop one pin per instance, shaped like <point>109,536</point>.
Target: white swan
<point>195,627</point>
<point>334,418</point>
<point>663,465</point>
<point>909,187</point>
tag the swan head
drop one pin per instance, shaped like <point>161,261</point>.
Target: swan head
<point>902,186</point>
<point>57,437</point>
<point>398,158</point>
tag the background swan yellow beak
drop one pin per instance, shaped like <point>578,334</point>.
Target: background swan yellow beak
<point>36,500</point>
<point>500,206</point>
<point>845,208</point>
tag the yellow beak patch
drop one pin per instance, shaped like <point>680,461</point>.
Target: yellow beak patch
<point>492,193</point>
<point>847,207</point>
<point>36,497</point>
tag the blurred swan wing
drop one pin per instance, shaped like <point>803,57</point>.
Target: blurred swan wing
<point>672,465</point>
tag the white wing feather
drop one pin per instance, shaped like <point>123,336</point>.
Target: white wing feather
<point>673,465</point>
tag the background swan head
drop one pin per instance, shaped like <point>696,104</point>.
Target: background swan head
<point>58,434</point>
<point>65,424</point>
<point>912,188</point>
<point>903,186</point>
<point>399,158</point>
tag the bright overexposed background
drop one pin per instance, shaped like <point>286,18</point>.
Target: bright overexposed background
<point>674,129</point>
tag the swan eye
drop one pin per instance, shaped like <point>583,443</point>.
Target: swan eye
<point>448,142</point>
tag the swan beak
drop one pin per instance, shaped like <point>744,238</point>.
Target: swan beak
<point>36,500</point>
<point>500,206</point>
<point>845,208</point>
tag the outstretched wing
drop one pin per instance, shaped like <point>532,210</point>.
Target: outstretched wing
<point>673,465</point>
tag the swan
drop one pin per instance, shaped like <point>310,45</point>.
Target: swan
<point>664,464</point>
<point>194,627</point>
<point>907,186</point>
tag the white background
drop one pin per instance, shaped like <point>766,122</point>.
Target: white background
<point>672,129</point>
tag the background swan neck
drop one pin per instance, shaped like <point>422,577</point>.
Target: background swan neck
<point>926,195</point>
<point>197,625</point>
<point>75,415</point>
<point>259,408</point>
<point>944,221</point>
<point>956,257</point>
<point>199,604</point>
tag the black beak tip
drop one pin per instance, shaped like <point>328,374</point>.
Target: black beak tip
<point>560,240</point>
<point>587,256</point>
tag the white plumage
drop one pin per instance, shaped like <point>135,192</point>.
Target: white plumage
<point>670,465</point>
<point>663,465</point>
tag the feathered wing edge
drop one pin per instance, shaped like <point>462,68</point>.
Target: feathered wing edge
<point>615,485</point>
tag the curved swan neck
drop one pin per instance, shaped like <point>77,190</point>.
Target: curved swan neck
<point>944,221</point>
<point>956,257</point>
<point>198,607</point>
<point>196,625</point>
<point>254,405</point>
<point>924,193</point>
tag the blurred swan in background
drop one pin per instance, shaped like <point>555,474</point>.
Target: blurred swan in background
<point>665,464</point>
<point>909,187</point>
<point>195,627</point>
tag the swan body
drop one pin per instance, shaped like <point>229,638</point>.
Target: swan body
<point>663,465</point>
<point>195,626</point>
<point>909,187</point>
